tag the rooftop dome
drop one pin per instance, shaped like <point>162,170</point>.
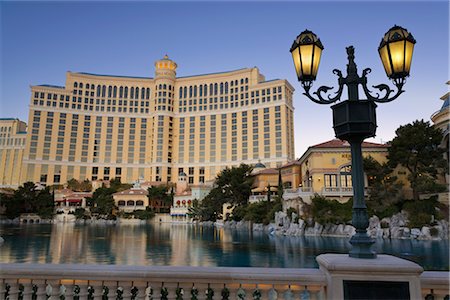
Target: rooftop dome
<point>165,63</point>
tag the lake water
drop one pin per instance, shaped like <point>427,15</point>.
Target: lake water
<point>189,245</point>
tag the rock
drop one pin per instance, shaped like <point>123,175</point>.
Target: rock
<point>293,229</point>
<point>339,230</point>
<point>349,230</point>
<point>1,240</point>
<point>258,227</point>
<point>396,232</point>
<point>318,228</point>
<point>426,234</point>
<point>406,232</point>
<point>415,233</point>
<point>398,220</point>
<point>386,233</point>
<point>374,222</point>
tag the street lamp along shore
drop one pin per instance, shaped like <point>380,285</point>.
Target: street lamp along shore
<point>355,119</point>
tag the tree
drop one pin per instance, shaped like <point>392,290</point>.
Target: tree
<point>77,186</point>
<point>27,199</point>
<point>118,186</point>
<point>159,197</point>
<point>234,185</point>
<point>103,201</point>
<point>384,190</point>
<point>416,147</point>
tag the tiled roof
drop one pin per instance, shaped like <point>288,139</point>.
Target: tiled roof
<point>291,163</point>
<point>337,143</point>
<point>132,191</point>
<point>267,171</point>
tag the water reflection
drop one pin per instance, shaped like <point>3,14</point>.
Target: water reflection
<point>189,245</point>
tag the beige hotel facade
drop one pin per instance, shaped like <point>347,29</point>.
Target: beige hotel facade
<point>100,127</point>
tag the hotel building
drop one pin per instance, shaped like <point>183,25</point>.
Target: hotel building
<point>12,146</point>
<point>100,127</point>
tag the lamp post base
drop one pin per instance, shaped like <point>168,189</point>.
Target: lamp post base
<point>361,246</point>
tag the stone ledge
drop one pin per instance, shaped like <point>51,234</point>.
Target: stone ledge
<point>383,264</point>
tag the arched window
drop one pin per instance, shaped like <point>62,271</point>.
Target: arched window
<point>164,86</point>
<point>147,96</point>
<point>246,80</point>
<point>170,87</point>
<point>81,85</point>
<point>109,91</point>
<point>180,93</point>
<point>215,88</point>
<point>195,91</point>
<point>132,93</point>
<point>139,203</point>
<point>242,80</point>
<point>200,90</point>
<point>221,88</point>
<point>115,92</point>
<point>121,203</point>
<point>130,203</point>
<point>210,89</point>
<point>121,92</point>
<point>75,84</point>
<point>98,91</point>
<point>226,87</point>
<point>87,85</point>
<point>125,95</point>
<point>143,93</point>
<point>190,91</point>
<point>104,91</point>
<point>160,86</point>
<point>185,92</point>
<point>205,90</point>
<point>136,93</point>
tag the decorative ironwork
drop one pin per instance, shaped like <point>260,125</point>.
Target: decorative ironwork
<point>352,81</point>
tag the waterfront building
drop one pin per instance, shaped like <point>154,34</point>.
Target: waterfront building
<point>103,127</point>
<point>185,195</point>
<point>12,147</point>
<point>441,120</point>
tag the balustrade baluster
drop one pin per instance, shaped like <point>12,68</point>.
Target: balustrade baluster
<point>52,289</point>
<point>305,294</point>
<point>202,290</point>
<point>240,293</point>
<point>97,286</point>
<point>126,288</point>
<point>140,286</point>
<point>13,290</point>
<point>171,289</point>
<point>111,289</point>
<point>2,289</point>
<point>149,292</point>
<point>272,294</point>
<point>27,293</point>
<point>84,292</point>
<point>69,290</point>
<point>41,293</point>
<point>288,294</point>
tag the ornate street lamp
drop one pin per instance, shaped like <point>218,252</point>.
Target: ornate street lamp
<point>355,119</point>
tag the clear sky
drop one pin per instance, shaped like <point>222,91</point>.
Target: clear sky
<point>40,41</point>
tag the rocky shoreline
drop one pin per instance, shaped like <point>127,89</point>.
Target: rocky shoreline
<point>394,227</point>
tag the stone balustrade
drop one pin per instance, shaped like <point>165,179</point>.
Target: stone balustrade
<point>47,281</point>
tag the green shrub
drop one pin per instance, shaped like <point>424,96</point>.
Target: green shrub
<point>143,214</point>
<point>434,231</point>
<point>331,211</point>
<point>421,212</point>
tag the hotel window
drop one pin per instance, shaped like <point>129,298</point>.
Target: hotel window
<point>330,180</point>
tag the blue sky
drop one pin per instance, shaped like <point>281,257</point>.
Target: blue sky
<point>40,41</point>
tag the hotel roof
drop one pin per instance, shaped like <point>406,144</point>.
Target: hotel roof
<point>337,143</point>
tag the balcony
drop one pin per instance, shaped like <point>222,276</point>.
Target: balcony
<point>48,281</point>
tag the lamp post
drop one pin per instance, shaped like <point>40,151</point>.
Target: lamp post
<point>354,119</point>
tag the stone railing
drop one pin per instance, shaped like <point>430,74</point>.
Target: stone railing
<point>40,281</point>
<point>435,284</point>
<point>47,281</point>
<point>257,198</point>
